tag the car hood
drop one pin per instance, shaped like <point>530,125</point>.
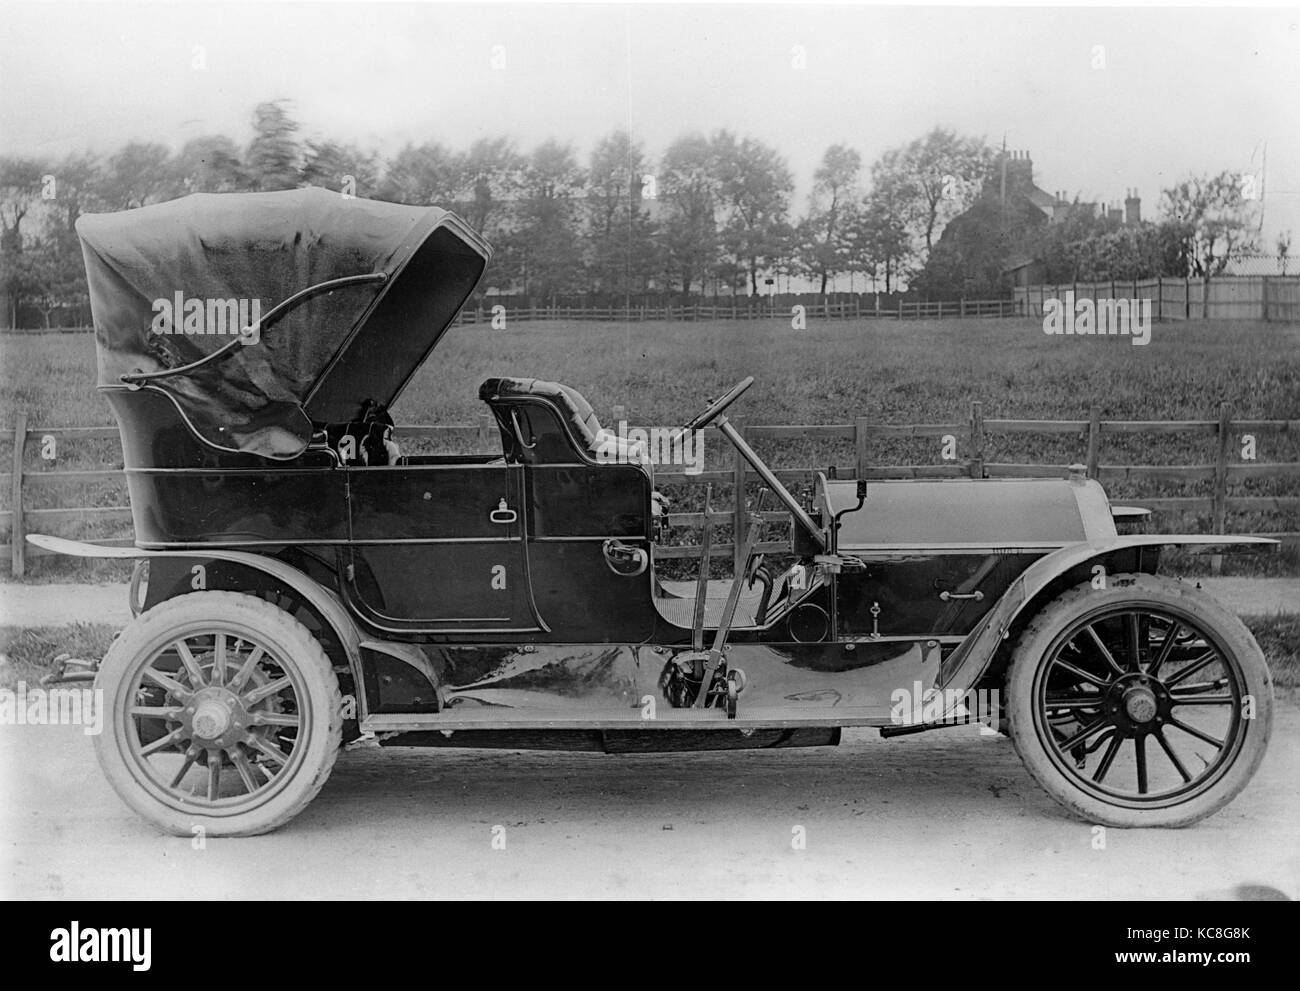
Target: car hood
<point>975,515</point>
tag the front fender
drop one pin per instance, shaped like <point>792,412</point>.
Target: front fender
<point>325,602</point>
<point>964,667</point>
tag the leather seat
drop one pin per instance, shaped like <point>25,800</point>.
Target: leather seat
<point>586,427</point>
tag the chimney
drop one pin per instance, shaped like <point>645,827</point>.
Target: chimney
<point>1020,170</point>
<point>1132,209</point>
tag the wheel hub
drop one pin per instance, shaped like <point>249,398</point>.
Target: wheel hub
<point>1138,703</point>
<point>211,718</point>
<point>216,718</point>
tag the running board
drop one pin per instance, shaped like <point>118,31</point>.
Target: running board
<point>619,741</point>
<point>713,720</point>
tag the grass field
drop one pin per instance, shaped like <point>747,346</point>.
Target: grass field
<point>888,371</point>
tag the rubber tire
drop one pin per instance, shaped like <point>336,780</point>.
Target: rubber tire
<point>1124,589</point>
<point>291,643</point>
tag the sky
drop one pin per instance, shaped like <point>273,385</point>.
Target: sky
<point>1104,98</point>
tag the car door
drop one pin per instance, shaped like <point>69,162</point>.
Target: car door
<point>589,551</point>
<point>440,548</point>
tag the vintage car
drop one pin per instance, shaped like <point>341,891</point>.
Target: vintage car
<point>309,585</point>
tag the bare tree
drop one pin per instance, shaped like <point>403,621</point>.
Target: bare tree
<point>689,186</point>
<point>139,174</point>
<point>273,155</point>
<point>209,164</point>
<point>332,163</point>
<point>425,175</point>
<point>1217,223</point>
<point>20,188</point>
<point>544,253</point>
<point>491,170</point>
<point>620,249</point>
<point>754,187</point>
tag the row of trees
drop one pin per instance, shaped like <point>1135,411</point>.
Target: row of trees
<point>712,213</point>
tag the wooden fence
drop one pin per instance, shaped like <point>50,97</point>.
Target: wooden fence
<point>861,432</point>
<point>823,308</point>
<point>1227,297</point>
<point>1222,297</point>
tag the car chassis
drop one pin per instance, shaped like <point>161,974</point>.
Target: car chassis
<point>308,585</point>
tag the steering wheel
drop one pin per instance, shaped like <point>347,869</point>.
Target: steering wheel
<point>715,408</point>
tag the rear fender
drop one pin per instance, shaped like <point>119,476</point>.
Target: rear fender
<point>181,572</point>
<point>1052,574</point>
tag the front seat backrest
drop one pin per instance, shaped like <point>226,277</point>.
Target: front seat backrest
<point>582,421</point>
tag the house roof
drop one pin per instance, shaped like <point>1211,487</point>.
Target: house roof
<point>1041,199</point>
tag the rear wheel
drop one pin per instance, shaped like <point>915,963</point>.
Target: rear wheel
<point>1142,704</point>
<point>222,713</point>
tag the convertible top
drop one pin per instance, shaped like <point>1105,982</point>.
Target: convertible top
<point>175,282</point>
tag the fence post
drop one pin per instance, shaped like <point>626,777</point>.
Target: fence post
<point>977,439</point>
<point>1094,440</point>
<point>1220,501</point>
<point>17,530</point>
<point>963,306</point>
<point>1160,297</point>
<point>485,422</point>
<point>738,512</point>
<point>860,446</point>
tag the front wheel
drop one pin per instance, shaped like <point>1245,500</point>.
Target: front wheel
<point>1142,704</point>
<point>223,714</point>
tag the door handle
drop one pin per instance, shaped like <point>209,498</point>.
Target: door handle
<point>503,514</point>
<point>624,560</point>
<point>977,596</point>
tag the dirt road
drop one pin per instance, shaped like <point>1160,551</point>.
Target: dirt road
<point>949,814</point>
<point>943,815</point>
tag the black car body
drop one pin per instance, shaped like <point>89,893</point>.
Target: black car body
<point>511,598</point>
